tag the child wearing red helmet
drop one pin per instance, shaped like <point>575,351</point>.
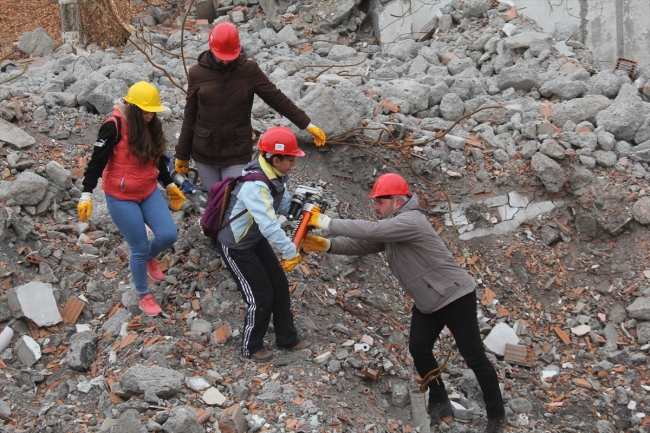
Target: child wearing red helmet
<point>245,245</point>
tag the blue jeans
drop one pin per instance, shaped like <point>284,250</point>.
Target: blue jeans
<point>130,218</point>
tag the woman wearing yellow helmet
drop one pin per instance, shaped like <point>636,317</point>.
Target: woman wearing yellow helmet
<point>127,156</point>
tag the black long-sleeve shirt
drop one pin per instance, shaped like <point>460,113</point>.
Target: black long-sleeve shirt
<point>102,151</point>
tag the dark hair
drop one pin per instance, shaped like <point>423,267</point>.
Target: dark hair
<point>269,157</point>
<point>146,140</point>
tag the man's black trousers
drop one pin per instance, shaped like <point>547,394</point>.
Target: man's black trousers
<point>460,318</point>
<point>264,286</point>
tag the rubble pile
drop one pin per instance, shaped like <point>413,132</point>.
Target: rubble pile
<point>549,200</point>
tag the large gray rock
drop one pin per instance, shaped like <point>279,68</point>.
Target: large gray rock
<point>340,52</point>
<point>6,218</point>
<point>476,8</point>
<point>14,136</point>
<point>58,175</point>
<point>523,40</point>
<point>437,92</point>
<point>451,107</point>
<point>131,73</point>
<point>28,189</point>
<point>643,134</point>
<point>641,210</point>
<point>105,93</point>
<point>581,178</point>
<point>457,66</point>
<point>128,422</point>
<point>83,87</point>
<point>548,171</point>
<point>335,109</point>
<point>640,308</point>
<point>605,83</point>
<point>61,99</point>
<point>643,332</point>
<point>552,149</point>
<point>343,10</point>
<point>519,78</point>
<point>416,94</point>
<point>622,119</point>
<point>402,50</point>
<point>182,420</point>
<point>605,158</point>
<point>38,43</point>
<point>579,109</point>
<point>140,379</point>
<point>563,88</point>
<point>82,351</point>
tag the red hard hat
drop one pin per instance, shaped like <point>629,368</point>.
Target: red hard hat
<point>279,140</point>
<point>224,41</point>
<point>390,184</point>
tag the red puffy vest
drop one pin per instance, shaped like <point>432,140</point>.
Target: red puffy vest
<point>124,178</point>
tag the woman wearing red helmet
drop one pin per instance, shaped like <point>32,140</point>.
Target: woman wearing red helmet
<point>245,245</point>
<point>217,131</point>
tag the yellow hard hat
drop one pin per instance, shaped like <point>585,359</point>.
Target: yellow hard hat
<point>145,96</point>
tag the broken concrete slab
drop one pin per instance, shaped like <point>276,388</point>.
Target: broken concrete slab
<point>82,351</point>
<point>139,379</point>
<point>524,39</point>
<point>14,136</point>
<point>28,350</point>
<point>498,337</point>
<point>34,300</point>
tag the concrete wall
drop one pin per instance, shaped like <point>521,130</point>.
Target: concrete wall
<point>610,28</point>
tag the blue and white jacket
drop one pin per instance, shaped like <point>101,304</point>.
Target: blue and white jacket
<point>260,220</point>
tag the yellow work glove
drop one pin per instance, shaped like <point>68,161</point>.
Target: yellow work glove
<point>316,243</point>
<point>85,206</point>
<point>181,166</point>
<point>289,264</point>
<point>176,197</point>
<point>319,220</point>
<point>319,135</point>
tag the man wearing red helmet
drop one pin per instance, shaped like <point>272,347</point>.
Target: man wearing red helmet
<point>443,292</point>
<point>245,245</point>
<point>217,130</point>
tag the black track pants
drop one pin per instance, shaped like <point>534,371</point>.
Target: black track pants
<point>264,286</point>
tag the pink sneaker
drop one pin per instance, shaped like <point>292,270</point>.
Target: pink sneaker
<point>154,271</point>
<point>149,306</point>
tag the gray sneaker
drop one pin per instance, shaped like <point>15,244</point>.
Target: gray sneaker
<point>439,411</point>
<point>497,425</point>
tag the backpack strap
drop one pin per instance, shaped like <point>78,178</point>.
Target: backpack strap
<point>253,177</point>
<point>118,127</point>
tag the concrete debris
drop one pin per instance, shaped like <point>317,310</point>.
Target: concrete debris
<point>36,302</point>
<point>28,350</point>
<point>548,195</point>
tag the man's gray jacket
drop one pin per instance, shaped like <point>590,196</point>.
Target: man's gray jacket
<point>415,253</point>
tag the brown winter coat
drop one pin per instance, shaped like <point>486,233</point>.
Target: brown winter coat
<point>217,126</point>
<point>415,253</point>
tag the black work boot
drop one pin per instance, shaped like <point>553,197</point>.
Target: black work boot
<point>497,425</point>
<point>440,411</point>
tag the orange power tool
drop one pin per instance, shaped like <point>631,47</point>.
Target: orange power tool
<point>303,202</point>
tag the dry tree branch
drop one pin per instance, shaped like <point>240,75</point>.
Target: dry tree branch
<point>14,77</point>
<point>187,12</point>
<point>3,58</point>
<point>326,66</point>
<point>126,30</point>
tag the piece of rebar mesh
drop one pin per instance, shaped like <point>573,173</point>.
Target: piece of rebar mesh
<point>626,65</point>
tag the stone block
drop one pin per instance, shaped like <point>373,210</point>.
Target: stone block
<point>28,350</point>
<point>34,300</point>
